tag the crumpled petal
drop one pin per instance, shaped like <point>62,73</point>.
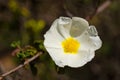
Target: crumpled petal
<point>79,25</point>
<point>52,37</point>
<point>92,31</point>
<point>94,37</point>
<point>64,25</point>
<point>89,39</point>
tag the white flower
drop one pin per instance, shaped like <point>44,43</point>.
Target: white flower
<point>72,42</point>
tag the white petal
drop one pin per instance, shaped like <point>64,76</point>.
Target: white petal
<point>73,60</point>
<point>64,25</point>
<point>52,37</point>
<point>97,42</point>
<point>89,40</point>
<point>57,55</point>
<point>80,59</point>
<point>85,41</point>
<point>79,25</point>
<point>92,31</point>
<point>94,37</point>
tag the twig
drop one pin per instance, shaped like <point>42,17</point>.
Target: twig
<point>103,6</point>
<point>21,65</point>
<point>99,9</point>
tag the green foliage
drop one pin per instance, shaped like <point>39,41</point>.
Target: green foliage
<point>39,45</point>
<point>35,25</point>
<point>26,52</point>
<point>13,5</point>
<point>24,12</point>
<point>16,8</point>
<point>15,44</point>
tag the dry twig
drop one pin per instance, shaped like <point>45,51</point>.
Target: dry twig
<point>99,9</point>
<point>21,65</point>
<point>103,6</point>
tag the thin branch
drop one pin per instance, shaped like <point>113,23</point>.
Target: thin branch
<point>103,6</point>
<point>21,65</point>
<point>99,9</point>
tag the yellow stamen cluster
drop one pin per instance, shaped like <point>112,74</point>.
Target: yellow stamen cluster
<point>70,45</point>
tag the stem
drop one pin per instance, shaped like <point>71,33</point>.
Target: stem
<point>103,6</point>
<point>20,66</point>
<point>99,9</point>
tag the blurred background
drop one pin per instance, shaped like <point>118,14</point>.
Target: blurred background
<point>28,20</point>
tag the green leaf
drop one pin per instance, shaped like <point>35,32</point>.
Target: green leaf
<point>39,45</point>
<point>15,44</point>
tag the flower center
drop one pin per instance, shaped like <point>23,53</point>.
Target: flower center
<point>70,45</point>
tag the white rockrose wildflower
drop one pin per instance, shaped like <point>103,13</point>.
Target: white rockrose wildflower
<point>71,41</point>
